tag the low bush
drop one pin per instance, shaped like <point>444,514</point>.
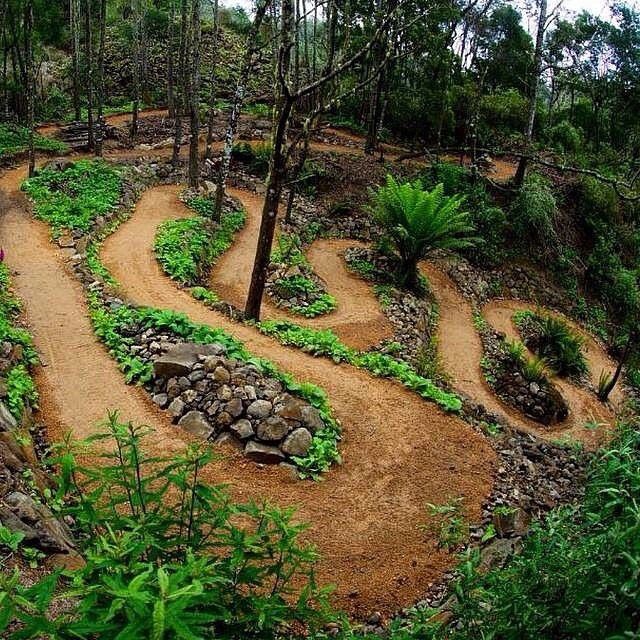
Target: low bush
<point>565,137</point>
<point>534,212</point>
<point>166,555</point>
<point>15,139</point>
<point>73,198</point>
<point>554,340</point>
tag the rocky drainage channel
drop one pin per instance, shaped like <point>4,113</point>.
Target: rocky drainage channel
<point>224,400</point>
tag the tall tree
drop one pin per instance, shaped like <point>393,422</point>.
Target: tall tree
<point>194,93</point>
<point>181,97</point>
<point>88,44</point>
<point>102,17</point>
<point>74,23</point>
<point>31,81</point>
<point>534,87</point>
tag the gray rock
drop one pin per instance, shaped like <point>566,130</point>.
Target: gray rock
<point>234,407</point>
<point>220,374</point>
<point>224,393</point>
<point>195,423</point>
<point>259,408</point>
<point>228,440</point>
<point>311,418</point>
<point>7,421</point>
<point>189,396</point>
<point>179,360</point>
<point>273,429</point>
<point>223,419</point>
<point>259,452</point>
<point>242,428</point>
<point>297,443</point>
<point>176,408</point>
<point>161,399</point>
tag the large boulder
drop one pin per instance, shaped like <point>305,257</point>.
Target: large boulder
<point>196,424</point>
<point>179,359</point>
<point>273,429</point>
<point>7,421</point>
<point>297,443</point>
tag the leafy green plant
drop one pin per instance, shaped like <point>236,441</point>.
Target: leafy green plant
<point>448,523</point>
<point>535,369</point>
<point>21,390</point>
<point>15,139</point>
<point>74,197</point>
<point>515,351</point>
<point>10,539</point>
<point>167,556</point>
<point>418,221</point>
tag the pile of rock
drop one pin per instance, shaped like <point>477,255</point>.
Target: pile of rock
<point>224,400</point>
<point>293,286</point>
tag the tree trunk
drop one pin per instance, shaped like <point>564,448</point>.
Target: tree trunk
<point>101,91</point>
<point>180,102</point>
<point>31,85</point>
<point>533,97</point>
<point>212,97</point>
<point>171,100</point>
<point>137,19</point>
<point>89,67</point>
<point>74,17</point>
<point>278,165</point>
<point>236,107</point>
<point>194,94</point>
<point>604,394</point>
<point>275,181</point>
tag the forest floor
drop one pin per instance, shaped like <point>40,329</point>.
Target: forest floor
<point>399,452</point>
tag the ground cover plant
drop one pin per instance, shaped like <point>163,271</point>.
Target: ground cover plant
<point>187,248</point>
<point>15,373</point>
<point>73,198</point>
<point>15,139</point>
<point>167,556</point>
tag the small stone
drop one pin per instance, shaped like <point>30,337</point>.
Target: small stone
<point>7,421</point>
<point>224,393</point>
<point>184,383</point>
<point>311,418</point>
<point>189,396</point>
<point>220,374</point>
<point>196,376</point>
<point>273,429</point>
<point>223,419</point>
<point>228,440</point>
<point>297,443</point>
<point>195,423</point>
<point>263,453</point>
<point>259,408</point>
<point>234,407</point>
<point>176,408</point>
<point>242,428</point>
<point>161,399</point>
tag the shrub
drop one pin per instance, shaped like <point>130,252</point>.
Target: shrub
<point>577,574</point>
<point>565,137</point>
<point>15,139</point>
<point>533,213</point>
<point>167,556</point>
<point>418,221</point>
<point>534,369</point>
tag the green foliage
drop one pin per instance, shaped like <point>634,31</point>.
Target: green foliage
<point>15,139</point>
<point>418,221</point>
<point>565,137</point>
<point>298,286</point>
<point>533,213</point>
<point>21,390</point>
<point>448,523</point>
<point>10,539</point>
<point>577,574</point>
<point>167,556</point>
<point>73,198</point>
<point>205,295</point>
<point>326,343</point>
<point>188,247</point>
<point>555,341</point>
<point>598,203</point>
<point>534,369</point>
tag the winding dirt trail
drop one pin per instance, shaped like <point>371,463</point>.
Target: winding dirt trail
<point>358,320</point>
<point>399,451</point>
<point>461,350</point>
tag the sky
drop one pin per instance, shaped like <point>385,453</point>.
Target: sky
<point>598,7</point>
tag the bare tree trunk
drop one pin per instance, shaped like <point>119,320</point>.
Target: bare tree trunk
<point>236,107</point>
<point>137,19</point>
<point>101,91</point>
<point>181,101</point>
<point>171,100</point>
<point>277,166</point>
<point>212,97</point>
<point>74,19</point>
<point>603,394</point>
<point>31,84</point>
<point>89,64</point>
<point>194,95</point>
<point>533,96</point>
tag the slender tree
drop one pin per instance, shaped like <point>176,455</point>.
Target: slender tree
<point>31,83</point>
<point>101,90</point>
<point>88,43</point>
<point>181,97</point>
<point>212,96</point>
<point>171,100</point>
<point>74,23</point>
<point>194,93</point>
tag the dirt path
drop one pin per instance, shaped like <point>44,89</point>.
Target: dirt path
<point>461,350</point>
<point>357,320</point>
<point>399,452</point>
